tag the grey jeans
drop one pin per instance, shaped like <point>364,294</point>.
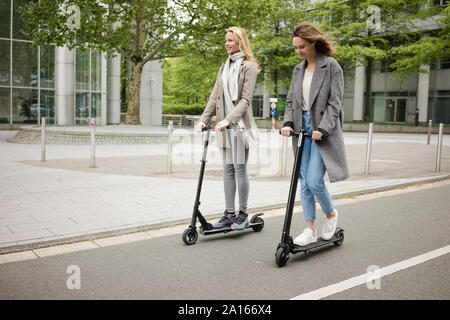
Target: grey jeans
<point>235,169</point>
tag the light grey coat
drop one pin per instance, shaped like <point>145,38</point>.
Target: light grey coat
<point>326,101</point>
<point>243,104</point>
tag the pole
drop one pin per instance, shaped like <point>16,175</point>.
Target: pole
<point>92,129</point>
<point>43,139</point>
<point>429,131</point>
<point>169,151</point>
<point>284,158</point>
<point>439,148</point>
<point>369,148</point>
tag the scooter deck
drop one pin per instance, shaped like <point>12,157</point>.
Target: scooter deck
<point>229,229</point>
<point>319,243</point>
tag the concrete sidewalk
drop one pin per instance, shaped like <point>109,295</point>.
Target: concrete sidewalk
<point>63,200</point>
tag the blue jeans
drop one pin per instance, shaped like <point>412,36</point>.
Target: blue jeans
<point>312,171</point>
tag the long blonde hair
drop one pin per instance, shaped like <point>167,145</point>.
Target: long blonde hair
<point>240,35</point>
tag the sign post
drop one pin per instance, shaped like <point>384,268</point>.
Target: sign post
<point>92,130</point>
<point>43,139</point>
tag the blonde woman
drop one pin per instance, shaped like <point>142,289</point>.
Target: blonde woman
<point>314,103</point>
<point>231,101</point>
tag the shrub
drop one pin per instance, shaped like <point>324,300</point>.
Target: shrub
<point>192,109</point>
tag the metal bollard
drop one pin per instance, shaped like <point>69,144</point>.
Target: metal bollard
<point>429,131</point>
<point>169,151</point>
<point>439,148</point>
<point>369,148</point>
<point>43,139</point>
<point>92,129</point>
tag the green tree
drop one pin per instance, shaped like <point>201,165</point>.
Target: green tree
<point>189,79</point>
<point>273,43</point>
<point>406,34</point>
<point>139,30</point>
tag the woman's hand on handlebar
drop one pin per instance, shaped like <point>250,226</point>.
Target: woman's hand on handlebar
<point>222,124</point>
<point>199,126</point>
<point>317,135</point>
<point>286,131</point>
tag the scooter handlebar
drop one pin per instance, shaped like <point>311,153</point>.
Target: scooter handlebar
<point>297,134</point>
<point>206,128</point>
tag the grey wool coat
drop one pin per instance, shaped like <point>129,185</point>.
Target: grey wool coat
<point>243,105</point>
<point>326,101</point>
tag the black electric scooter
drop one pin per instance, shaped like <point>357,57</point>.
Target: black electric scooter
<point>287,246</point>
<point>190,235</point>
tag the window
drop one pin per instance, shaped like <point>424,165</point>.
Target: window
<point>382,66</point>
<point>24,105</point>
<point>440,2</point>
<point>82,69</point>
<point>439,106</point>
<point>81,108</point>
<point>88,79</point>
<point>443,64</point>
<point>5,99</point>
<point>5,62</point>
<point>18,24</point>
<point>47,107</point>
<point>24,70</point>
<point>47,64</point>
<point>24,64</point>
<point>258,106</point>
<point>5,19</point>
<point>96,71</point>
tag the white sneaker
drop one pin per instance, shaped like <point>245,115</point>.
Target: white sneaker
<point>308,236</point>
<point>329,228</point>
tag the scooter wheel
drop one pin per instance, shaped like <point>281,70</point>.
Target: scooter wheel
<point>190,236</point>
<point>260,225</point>
<point>339,242</point>
<point>281,257</point>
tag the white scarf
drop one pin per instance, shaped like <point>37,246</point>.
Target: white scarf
<point>230,81</point>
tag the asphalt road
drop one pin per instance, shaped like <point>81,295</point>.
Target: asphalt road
<point>241,265</point>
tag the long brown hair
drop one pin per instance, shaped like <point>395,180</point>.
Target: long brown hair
<point>311,33</point>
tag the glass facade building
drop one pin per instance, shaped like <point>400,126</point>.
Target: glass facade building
<point>390,101</point>
<point>27,72</point>
<point>393,101</point>
<point>67,87</point>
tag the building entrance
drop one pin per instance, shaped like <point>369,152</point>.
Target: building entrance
<point>395,110</point>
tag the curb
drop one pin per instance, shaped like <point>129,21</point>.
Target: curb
<point>168,223</point>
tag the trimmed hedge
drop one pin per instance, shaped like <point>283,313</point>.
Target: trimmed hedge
<point>193,109</point>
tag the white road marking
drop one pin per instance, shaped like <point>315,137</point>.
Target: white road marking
<point>364,278</point>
